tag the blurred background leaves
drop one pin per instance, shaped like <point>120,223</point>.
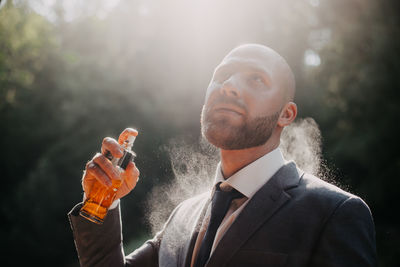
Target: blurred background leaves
<point>72,72</point>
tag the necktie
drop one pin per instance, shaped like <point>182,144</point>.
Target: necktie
<point>219,206</point>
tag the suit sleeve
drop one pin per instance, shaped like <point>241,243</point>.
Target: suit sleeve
<point>348,238</point>
<point>101,245</point>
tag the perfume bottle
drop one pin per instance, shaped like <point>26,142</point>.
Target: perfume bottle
<point>101,197</point>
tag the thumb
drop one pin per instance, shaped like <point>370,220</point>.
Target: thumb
<point>130,178</point>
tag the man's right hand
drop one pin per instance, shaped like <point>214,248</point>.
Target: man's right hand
<point>101,170</point>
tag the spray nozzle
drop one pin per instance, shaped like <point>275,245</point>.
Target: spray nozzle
<point>128,143</point>
<point>129,135</point>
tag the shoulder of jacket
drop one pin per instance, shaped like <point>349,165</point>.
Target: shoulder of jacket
<point>195,201</point>
<point>317,188</point>
<point>191,205</point>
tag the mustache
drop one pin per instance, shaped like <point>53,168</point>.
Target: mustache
<point>229,101</point>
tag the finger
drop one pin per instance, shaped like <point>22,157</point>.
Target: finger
<point>111,145</point>
<point>131,172</point>
<point>130,177</point>
<point>94,170</point>
<point>107,167</point>
<point>87,180</point>
<point>125,134</point>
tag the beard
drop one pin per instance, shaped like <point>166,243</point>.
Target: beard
<point>252,133</point>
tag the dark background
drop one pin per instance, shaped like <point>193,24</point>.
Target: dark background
<point>72,72</point>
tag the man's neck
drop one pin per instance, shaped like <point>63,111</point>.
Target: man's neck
<point>234,160</point>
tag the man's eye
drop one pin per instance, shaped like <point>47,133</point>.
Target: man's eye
<point>257,78</point>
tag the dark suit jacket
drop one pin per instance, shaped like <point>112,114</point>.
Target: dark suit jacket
<point>295,219</point>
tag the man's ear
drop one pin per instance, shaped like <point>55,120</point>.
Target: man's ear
<point>288,114</point>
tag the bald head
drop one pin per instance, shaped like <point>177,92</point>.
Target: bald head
<point>272,61</point>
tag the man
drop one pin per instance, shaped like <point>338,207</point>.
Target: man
<point>279,216</point>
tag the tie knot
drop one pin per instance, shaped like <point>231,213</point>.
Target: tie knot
<point>224,186</point>
<point>225,193</point>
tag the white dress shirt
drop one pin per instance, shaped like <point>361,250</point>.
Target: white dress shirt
<point>252,177</point>
<point>247,181</point>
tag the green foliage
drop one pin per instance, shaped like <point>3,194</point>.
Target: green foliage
<point>359,75</point>
<point>29,103</point>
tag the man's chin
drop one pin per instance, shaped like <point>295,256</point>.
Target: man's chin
<point>222,132</point>
<point>221,138</point>
<point>231,139</point>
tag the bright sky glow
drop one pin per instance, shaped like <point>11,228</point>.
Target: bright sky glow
<point>2,3</point>
<point>314,2</point>
<point>311,58</point>
<point>73,9</point>
<point>143,10</point>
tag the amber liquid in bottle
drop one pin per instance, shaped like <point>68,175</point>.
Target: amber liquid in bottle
<point>100,196</point>
<point>98,201</point>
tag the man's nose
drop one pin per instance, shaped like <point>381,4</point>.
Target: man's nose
<point>230,87</point>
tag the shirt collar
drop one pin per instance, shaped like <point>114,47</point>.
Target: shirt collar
<point>252,177</point>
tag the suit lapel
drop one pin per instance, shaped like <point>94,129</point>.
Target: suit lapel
<point>188,248</point>
<point>267,201</point>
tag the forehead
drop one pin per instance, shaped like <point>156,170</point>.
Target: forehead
<point>251,59</point>
<point>239,64</point>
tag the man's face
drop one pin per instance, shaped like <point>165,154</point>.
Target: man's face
<point>243,101</point>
